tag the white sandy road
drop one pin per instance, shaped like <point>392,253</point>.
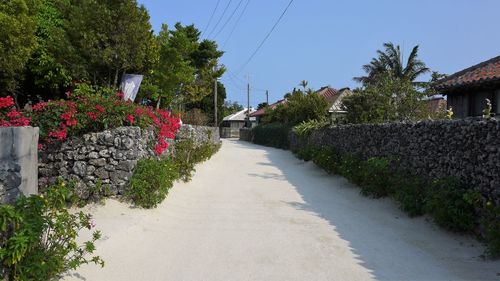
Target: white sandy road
<point>257,213</point>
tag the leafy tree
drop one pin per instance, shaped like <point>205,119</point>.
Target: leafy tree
<point>47,73</point>
<point>391,61</point>
<point>186,69</point>
<point>109,38</point>
<point>262,105</point>
<point>17,26</point>
<point>388,99</point>
<point>231,107</point>
<point>298,107</point>
<point>206,104</point>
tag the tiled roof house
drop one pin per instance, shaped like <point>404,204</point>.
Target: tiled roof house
<point>467,90</point>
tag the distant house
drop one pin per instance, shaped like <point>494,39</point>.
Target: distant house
<point>261,112</point>
<point>467,90</point>
<point>231,125</point>
<point>333,97</point>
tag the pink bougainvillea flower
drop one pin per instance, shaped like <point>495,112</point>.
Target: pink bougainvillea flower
<point>13,114</point>
<point>120,95</point>
<point>39,106</point>
<point>68,94</point>
<point>6,102</point>
<point>71,122</point>
<point>100,108</point>
<point>92,115</point>
<point>130,119</point>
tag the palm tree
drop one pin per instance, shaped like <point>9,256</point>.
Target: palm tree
<point>390,62</point>
<point>303,84</point>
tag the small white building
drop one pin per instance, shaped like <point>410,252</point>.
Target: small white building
<point>231,125</point>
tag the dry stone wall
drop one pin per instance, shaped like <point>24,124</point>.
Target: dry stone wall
<point>107,159</point>
<point>468,150</point>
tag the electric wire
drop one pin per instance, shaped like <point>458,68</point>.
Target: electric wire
<point>220,18</point>
<point>211,17</point>
<point>236,24</point>
<point>265,38</point>
<point>228,19</point>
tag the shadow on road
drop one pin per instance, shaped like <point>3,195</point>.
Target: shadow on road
<point>384,240</point>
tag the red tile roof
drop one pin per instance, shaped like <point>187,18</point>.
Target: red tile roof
<point>262,111</point>
<point>485,72</point>
<point>330,94</point>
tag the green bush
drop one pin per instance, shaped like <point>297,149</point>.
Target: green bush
<point>327,159</point>
<point>306,153</point>
<point>38,238</point>
<point>274,134</point>
<point>410,192</point>
<point>151,181</point>
<point>491,223</point>
<point>187,154</point>
<point>305,128</point>
<point>447,203</point>
<point>375,177</point>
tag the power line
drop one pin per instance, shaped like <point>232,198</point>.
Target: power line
<point>211,17</point>
<point>236,24</point>
<point>221,17</point>
<point>228,19</point>
<point>265,38</point>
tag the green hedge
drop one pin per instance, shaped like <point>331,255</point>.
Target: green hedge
<point>153,177</point>
<point>274,134</point>
<point>452,205</point>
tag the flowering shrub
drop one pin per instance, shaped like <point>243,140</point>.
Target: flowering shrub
<point>83,113</point>
<point>9,116</point>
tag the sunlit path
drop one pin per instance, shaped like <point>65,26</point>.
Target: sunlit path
<point>258,213</point>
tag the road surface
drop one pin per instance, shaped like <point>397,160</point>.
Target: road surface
<point>258,213</point>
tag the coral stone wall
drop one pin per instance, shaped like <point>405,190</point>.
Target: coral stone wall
<point>468,150</point>
<point>107,158</point>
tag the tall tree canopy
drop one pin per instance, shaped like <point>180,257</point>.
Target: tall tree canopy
<point>391,61</point>
<point>186,69</point>
<point>17,41</point>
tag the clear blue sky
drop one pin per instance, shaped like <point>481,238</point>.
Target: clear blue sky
<point>327,41</point>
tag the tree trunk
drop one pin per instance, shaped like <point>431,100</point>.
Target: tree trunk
<point>116,78</point>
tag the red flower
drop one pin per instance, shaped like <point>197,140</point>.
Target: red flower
<point>59,134</point>
<point>13,114</point>
<point>8,101</point>
<point>66,116</point>
<point>71,122</point>
<point>130,119</point>
<point>39,106</point>
<point>120,95</point>
<point>100,108</point>
<point>68,94</point>
<point>92,115</point>
<point>40,146</point>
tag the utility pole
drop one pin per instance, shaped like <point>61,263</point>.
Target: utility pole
<point>248,100</point>
<point>267,97</point>
<point>215,103</point>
